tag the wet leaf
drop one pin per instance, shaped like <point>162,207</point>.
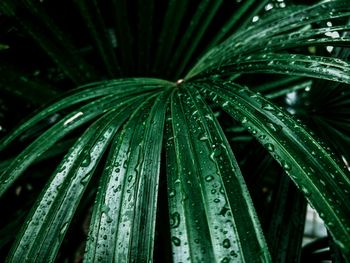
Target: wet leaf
<point>123,221</point>
<point>212,215</point>
<point>48,221</point>
<point>316,171</point>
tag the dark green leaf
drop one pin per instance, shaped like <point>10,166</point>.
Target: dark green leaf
<point>317,173</point>
<point>123,220</point>
<point>49,219</point>
<point>119,87</point>
<point>211,213</point>
<point>56,132</point>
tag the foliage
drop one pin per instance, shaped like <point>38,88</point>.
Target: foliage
<point>188,165</point>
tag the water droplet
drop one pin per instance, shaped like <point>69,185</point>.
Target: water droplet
<point>226,243</point>
<point>86,162</point>
<point>262,137</point>
<point>118,188</point>
<point>174,220</point>
<point>209,178</point>
<point>85,179</point>
<point>305,191</point>
<point>234,254</point>
<point>273,126</point>
<point>176,241</point>
<point>270,147</point>
<point>203,137</point>
<point>222,190</point>
<point>215,153</point>
<point>268,107</point>
<point>223,211</point>
<point>323,182</point>
<point>172,192</point>
<point>63,229</point>
<point>225,260</point>
<point>216,200</point>
<point>71,119</point>
<point>286,166</point>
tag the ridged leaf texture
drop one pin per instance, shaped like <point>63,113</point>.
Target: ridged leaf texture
<point>147,141</point>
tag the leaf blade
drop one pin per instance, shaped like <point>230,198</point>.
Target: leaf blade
<point>130,180</point>
<point>49,219</point>
<point>207,166</point>
<point>298,153</point>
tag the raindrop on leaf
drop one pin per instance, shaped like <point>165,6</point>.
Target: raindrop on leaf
<point>174,220</point>
<point>209,178</point>
<point>86,162</point>
<point>172,192</point>
<point>176,241</point>
<point>268,107</point>
<point>226,243</point>
<point>273,126</point>
<point>270,147</point>
<point>286,166</point>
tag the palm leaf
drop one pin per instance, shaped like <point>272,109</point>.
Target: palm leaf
<point>134,134</point>
<point>123,222</point>
<point>50,217</point>
<point>315,170</point>
<point>207,196</point>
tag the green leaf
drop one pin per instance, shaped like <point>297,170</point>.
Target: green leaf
<point>316,172</point>
<point>60,148</point>
<point>292,64</point>
<point>282,87</point>
<point>211,214</point>
<point>123,220</point>
<point>261,34</point>
<point>310,37</point>
<point>59,130</point>
<point>49,219</point>
<point>119,87</point>
<point>292,19</point>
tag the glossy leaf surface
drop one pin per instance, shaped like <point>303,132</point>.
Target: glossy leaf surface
<point>207,194</point>
<point>317,173</point>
